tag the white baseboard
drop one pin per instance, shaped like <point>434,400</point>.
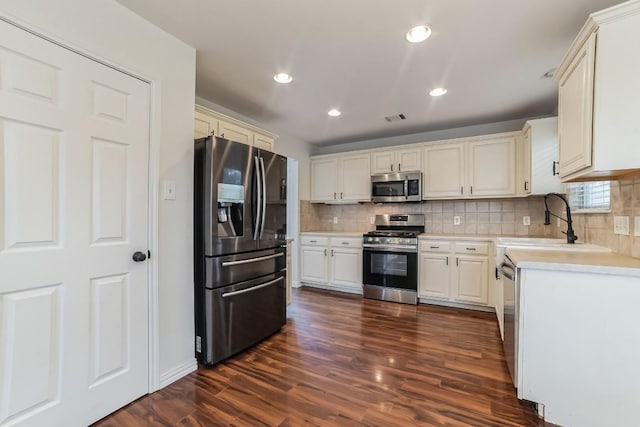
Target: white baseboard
<point>178,372</point>
<point>296,284</point>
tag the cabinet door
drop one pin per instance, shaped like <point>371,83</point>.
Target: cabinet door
<point>324,179</point>
<point>575,110</point>
<point>524,163</point>
<point>263,142</point>
<point>355,178</point>
<point>471,279</point>
<point>346,267</point>
<point>204,125</point>
<point>544,153</point>
<point>409,160</point>
<point>492,167</point>
<point>313,264</point>
<point>234,132</point>
<point>383,162</point>
<point>434,276</point>
<point>443,171</point>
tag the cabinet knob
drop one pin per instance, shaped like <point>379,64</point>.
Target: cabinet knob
<point>398,167</point>
<point>555,165</point>
<point>471,249</point>
<point>391,167</point>
<point>434,247</point>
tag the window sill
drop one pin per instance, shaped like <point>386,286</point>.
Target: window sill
<point>590,211</point>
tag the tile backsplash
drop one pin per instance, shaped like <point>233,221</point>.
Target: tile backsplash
<point>597,228</point>
<point>492,217</point>
<point>485,216</point>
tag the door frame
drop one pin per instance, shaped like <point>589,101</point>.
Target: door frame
<point>153,324</point>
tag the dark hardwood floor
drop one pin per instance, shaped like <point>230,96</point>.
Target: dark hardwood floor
<point>342,360</point>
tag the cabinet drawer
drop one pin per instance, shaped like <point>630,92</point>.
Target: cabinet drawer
<point>472,248</point>
<point>346,242</point>
<point>314,241</point>
<point>435,246</point>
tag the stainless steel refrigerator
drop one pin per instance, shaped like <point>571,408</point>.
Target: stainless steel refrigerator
<point>240,210</point>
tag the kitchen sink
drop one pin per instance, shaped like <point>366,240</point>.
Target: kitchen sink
<point>548,244</point>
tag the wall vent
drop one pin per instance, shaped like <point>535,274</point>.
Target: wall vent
<point>395,118</point>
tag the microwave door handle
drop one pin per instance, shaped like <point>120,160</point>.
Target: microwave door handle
<point>256,226</point>
<point>406,188</point>
<point>264,196</point>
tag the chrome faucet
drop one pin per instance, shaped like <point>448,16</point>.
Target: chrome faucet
<point>571,236</point>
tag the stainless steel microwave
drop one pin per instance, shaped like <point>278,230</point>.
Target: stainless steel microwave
<point>396,187</point>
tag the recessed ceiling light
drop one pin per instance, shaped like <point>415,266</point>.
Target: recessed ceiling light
<point>439,91</point>
<point>334,113</point>
<point>418,34</point>
<point>283,78</point>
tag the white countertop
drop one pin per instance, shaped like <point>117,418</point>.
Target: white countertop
<point>579,261</point>
<point>333,233</point>
<point>458,237</point>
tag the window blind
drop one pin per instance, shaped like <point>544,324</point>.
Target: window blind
<point>590,195</point>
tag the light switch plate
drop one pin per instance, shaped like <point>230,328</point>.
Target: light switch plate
<point>456,220</point>
<point>169,190</point>
<point>526,220</point>
<point>636,226</point>
<point>372,220</point>
<point>335,219</point>
<point>621,225</point>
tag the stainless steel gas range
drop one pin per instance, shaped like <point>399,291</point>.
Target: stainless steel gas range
<point>390,258</point>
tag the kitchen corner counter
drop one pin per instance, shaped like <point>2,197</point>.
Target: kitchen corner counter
<point>566,260</point>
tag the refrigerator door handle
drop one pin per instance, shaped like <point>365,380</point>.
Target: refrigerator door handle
<point>255,288</point>
<point>256,228</point>
<point>264,196</point>
<point>250,260</point>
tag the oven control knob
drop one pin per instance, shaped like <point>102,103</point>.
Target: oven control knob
<point>376,239</point>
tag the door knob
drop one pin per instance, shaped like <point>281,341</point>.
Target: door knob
<point>139,256</point>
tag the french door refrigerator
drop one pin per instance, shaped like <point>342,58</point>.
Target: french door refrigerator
<point>240,201</point>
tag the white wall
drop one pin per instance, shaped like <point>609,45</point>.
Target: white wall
<point>108,31</point>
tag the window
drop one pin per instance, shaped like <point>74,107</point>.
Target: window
<point>590,196</point>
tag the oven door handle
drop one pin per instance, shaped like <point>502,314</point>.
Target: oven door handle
<point>255,288</point>
<point>397,248</point>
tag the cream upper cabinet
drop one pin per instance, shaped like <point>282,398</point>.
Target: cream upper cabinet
<point>473,168</point>
<point>443,171</point>
<point>324,179</point>
<point>208,122</point>
<point>341,179</point>
<point>491,167</point>
<point>393,161</point>
<point>234,132</point>
<point>575,110</point>
<point>204,125</point>
<point>355,178</point>
<point>263,141</point>
<point>538,158</point>
<point>598,102</point>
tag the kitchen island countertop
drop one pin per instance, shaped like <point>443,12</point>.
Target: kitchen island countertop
<point>587,262</point>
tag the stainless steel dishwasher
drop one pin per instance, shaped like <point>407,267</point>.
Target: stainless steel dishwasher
<point>511,314</point>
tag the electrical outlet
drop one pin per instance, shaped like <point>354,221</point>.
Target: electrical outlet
<point>526,220</point>
<point>557,222</point>
<point>621,225</point>
<point>456,220</point>
<point>335,219</point>
<point>636,226</point>
<point>372,220</point>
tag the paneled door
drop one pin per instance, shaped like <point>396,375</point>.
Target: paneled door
<point>74,137</point>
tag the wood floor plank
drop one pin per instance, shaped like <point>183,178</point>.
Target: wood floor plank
<point>342,360</point>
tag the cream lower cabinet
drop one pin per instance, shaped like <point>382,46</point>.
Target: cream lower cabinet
<point>471,168</point>
<point>331,262</point>
<point>454,271</point>
<point>341,179</point>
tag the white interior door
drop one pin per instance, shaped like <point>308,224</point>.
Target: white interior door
<point>74,139</point>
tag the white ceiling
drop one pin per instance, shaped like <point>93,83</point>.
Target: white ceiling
<point>352,55</point>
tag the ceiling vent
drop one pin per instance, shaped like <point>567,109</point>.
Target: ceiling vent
<point>395,118</point>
